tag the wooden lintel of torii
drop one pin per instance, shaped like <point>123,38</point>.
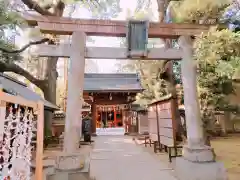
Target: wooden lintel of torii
<point>66,26</point>
<point>64,50</point>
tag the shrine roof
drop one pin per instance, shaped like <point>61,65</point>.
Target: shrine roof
<point>15,87</point>
<point>118,82</point>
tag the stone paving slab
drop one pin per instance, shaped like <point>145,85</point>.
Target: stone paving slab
<point>119,158</point>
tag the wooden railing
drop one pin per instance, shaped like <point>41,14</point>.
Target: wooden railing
<point>38,110</point>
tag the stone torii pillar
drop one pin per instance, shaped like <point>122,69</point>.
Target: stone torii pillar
<point>198,161</point>
<point>73,121</point>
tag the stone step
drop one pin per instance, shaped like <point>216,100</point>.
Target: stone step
<point>110,131</point>
<point>69,176</point>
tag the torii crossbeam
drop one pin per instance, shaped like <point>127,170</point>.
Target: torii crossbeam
<point>64,50</point>
<point>66,26</point>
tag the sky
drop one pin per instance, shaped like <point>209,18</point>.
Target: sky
<point>103,65</point>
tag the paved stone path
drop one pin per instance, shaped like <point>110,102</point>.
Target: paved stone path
<point>119,158</point>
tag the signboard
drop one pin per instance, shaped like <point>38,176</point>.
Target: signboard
<point>137,38</point>
<point>86,126</point>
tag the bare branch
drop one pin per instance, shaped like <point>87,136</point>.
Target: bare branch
<point>11,67</point>
<point>48,6</point>
<point>31,4</point>
<point>25,47</point>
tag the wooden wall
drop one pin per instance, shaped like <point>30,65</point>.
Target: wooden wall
<point>152,123</point>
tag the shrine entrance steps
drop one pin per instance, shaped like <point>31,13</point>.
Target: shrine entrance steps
<point>119,158</point>
<point>110,131</point>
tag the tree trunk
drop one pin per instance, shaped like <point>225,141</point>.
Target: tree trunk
<point>162,5</point>
<point>49,89</point>
<point>206,135</point>
<point>161,10</point>
<point>181,135</point>
<point>50,85</point>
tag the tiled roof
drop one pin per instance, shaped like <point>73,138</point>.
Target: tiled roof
<point>14,86</point>
<point>112,82</point>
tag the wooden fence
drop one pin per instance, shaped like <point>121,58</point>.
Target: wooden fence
<point>162,123</point>
<point>11,115</point>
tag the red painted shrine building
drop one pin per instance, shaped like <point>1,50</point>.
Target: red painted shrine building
<point>109,96</point>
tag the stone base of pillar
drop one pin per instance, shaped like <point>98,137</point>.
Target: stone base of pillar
<point>71,167</point>
<point>73,161</point>
<point>198,164</point>
<point>199,153</point>
<point>94,134</point>
<point>187,170</point>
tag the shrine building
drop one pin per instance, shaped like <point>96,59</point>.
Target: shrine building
<point>110,96</point>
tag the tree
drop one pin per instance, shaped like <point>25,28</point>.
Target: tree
<point>216,54</point>
<point>197,11</point>
<point>205,11</point>
<point>218,62</point>
<point>48,83</point>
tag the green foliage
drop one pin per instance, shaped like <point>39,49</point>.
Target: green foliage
<point>8,19</point>
<point>8,23</point>
<point>189,10</point>
<point>154,88</point>
<point>217,45</point>
<point>103,9</point>
<point>217,54</point>
<point>218,57</point>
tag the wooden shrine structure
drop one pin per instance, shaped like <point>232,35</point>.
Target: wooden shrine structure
<point>109,96</point>
<point>136,32</point>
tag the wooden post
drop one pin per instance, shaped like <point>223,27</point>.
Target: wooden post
<point>94,117</point>
<point>73,121</point>
<point>40,138</point>
<point>174,119</point>
<point>65,83</point>
<point>115,117</point>
<point>158,128</point>
<point>2,117</point>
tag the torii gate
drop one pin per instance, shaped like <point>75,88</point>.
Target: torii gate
<point>194,151</point>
